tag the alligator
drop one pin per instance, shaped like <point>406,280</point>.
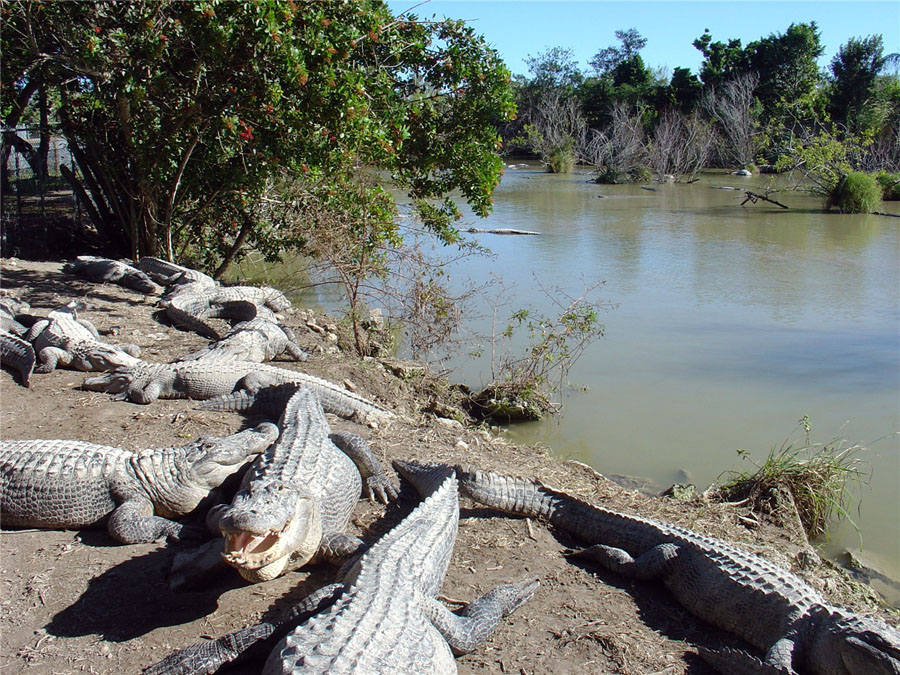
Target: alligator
<point>383,615</point>
<point>190,304</point>
<point>72,484</point>
<point>10,311</point>
<point>296,500</point>
<point>169,274</point>
<point>201,380</point>
<point>766,605</point>
<point>18,354</point>
<point>257,340</point>
<point>114,271</point>
<point>62,339</point>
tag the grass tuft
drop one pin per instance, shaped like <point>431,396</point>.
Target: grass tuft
<point>820,478</point>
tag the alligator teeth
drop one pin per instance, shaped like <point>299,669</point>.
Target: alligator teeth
<point>242,544</point>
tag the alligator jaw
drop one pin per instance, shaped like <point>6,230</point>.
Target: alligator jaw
<point>248,550</point>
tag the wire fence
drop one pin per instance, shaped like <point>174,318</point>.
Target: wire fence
<point>33,203</point>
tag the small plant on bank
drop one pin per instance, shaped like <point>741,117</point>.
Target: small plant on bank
<point>818,478</point>
<point>855,192</point>
<point>528,385</point>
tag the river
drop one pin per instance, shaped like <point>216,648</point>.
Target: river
<point>730,324</point>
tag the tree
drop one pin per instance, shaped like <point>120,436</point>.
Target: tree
<point>720,60</point>
<point>182,115</point>
<point>619,152</point>
<point>683,91</point>
<point>607,59</point>
<point>786,64</point>
<point>854,70</point>
<point>681,145</point>
<point>556,131</point>
<point>732,107</point>
<point>554,69</point>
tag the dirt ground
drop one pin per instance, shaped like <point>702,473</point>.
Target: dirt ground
<point>80,602</point>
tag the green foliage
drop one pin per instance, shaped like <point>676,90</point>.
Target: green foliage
<point>818,478</point>
<point>857,192</point>
<point>608,59</point>
<point>721,61</point>
<point>890,185</point>
<point>185,114</point>
<point>554,68</point>
<point>854,70</point>
<point>525,384</point>
<point>561,159</point>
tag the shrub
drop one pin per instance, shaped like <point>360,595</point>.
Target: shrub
<point>890,185</point>
<point>640,174</point>
<point>561,160</point>
<point>856,192</point>
<point>611,176</point>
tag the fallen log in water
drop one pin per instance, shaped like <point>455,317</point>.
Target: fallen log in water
<point>500,230</point>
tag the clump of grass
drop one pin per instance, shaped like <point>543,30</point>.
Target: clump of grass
<point>820,479</point>
<point>857,192</point>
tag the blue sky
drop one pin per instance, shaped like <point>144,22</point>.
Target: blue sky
<point>519,28</point>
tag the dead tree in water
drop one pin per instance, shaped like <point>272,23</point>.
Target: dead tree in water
<point>754,197</point>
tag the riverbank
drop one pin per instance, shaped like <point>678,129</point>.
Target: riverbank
<point>76,601</point>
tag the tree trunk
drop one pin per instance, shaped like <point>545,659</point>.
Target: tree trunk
<point>44,128</point>
<point>246,226</point>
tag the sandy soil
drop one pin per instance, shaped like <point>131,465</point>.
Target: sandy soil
<point>80,602</point>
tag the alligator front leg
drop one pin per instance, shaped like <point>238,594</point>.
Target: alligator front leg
<point>466,629</point>
<point>293,350</point>
<point>339,547</point>
<point>133,522</point>
<point>51,357</point>
<point>146,394</point>
<point>379,483</point>
<point>655,563</point>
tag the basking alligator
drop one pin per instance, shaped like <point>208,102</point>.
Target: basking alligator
<point>201,380</point>
<point>170,274</point>
<point>10,309</point>
<point>114,271</point>
<point>257,340</point>
<point>18,354</point>
<point>769,607</point>
<point>189,305</point>
<point>297,498</point>
<point>73,484</point>
<point>383,616</point>
<point>62,339</point>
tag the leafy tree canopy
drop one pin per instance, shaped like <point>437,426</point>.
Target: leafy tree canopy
<point>555,68</point>
<point>608,59</point>
<point>183,115</point>
<point>854,70</point>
